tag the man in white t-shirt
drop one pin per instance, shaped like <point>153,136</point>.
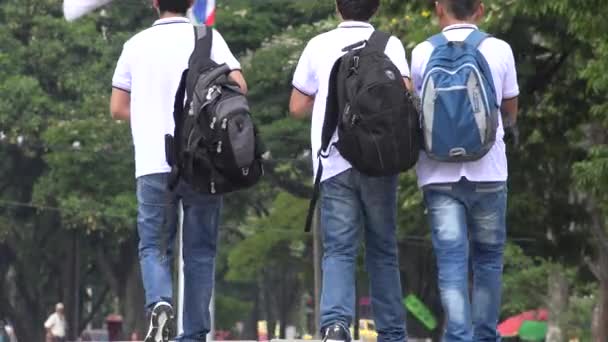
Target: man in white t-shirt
<point>56,325</point>
<point>467,202</point>
<point>146,79</point>
<point>350,200</point>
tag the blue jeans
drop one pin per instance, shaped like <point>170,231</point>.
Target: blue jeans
<point>468,217</point>
<point>157,227</point>
<point>351,201</point>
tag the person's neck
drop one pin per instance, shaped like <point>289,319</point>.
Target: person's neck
<point>166,15</point>
<point>446,22</point>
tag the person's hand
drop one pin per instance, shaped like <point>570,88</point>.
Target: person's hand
<point>512,135</point>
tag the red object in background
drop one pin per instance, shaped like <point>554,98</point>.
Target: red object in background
<point>365,301</point>
<point>510,326</point>
<point>114,324</point>
<point>222,335</point>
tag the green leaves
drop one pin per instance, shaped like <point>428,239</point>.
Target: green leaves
<point>274,239</point>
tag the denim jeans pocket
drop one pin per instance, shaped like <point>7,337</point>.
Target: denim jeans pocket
<point>152,190</point>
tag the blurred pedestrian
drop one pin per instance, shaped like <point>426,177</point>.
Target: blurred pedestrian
<point>3,334</point>
<point>56,325</point>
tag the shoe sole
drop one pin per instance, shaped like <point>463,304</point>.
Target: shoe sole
<point>161,324</point>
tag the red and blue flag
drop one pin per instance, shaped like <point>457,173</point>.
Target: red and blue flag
<point>204,12</point>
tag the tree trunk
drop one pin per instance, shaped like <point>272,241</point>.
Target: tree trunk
<point>600,270</point>
<point>251,324</point>
<point>557,304</point>
<point>124,278</point>
<point>133,303</point>
<point>601,313</point>
<point>71,287</point>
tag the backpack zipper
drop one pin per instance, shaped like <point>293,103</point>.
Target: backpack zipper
<point>375,145</point>
<point>429,74</point>
<point>451,88</point>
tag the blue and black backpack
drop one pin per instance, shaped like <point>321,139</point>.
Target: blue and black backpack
<point>459,107</point>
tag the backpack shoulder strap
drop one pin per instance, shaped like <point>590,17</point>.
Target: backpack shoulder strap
<point>203,41</point>
<point>332,108</point>
<point>378,41</point>
<point>200,59</point>
<point>330,124</point>
<point>476,38</point>
<point>438,40</point>
<point>180,97</point>
<point>172,143</point>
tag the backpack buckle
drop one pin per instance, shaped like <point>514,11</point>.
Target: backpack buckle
<point>355,63</point>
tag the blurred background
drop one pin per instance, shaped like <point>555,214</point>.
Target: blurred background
<point>67,192</point>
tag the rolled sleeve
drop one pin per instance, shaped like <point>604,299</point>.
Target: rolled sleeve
<point>396,52</point>
<point>122,73</point>
<point>304,78</point>
<point>510,87</point>
<point>220,52</point>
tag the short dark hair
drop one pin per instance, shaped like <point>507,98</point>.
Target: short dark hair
<point>359,10</point>
<point>461,9</point>
<point>174,6</point>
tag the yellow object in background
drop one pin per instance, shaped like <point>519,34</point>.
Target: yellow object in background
<point>367,331</point>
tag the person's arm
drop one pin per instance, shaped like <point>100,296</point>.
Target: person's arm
<point>48,325</point>
<point>509,109</point>
<point>396,52</point>
<point>300,104</point>
<point>120,104</point>
<point>220,53</point>
<point>305,85</point>
<point>510,91</point>
<point>237,76</point>
<point>408,84</point>
<point>419,56</point>
<point>120,101</point>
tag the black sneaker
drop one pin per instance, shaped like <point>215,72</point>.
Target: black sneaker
<point>161,323</point>
<point>336,333</point>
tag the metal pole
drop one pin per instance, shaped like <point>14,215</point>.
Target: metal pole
<point>180,270</point>
<point>317,253</point>
<point>211,333</point>
<point>75,321</point>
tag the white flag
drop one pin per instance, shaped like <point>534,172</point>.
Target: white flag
<point>74,9</point>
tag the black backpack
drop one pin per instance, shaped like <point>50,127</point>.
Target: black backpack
<point>215,147</point>
<point>374,114</point>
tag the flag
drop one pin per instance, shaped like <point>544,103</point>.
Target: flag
<point>74,9</point>
<point>204,12</point>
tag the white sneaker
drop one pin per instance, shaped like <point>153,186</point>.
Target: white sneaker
<point>161,323</point>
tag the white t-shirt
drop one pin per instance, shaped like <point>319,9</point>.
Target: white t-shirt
<point>57,324</point>
<point>150,68</point>
<point>493,166</point>
<point>312,78</point>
